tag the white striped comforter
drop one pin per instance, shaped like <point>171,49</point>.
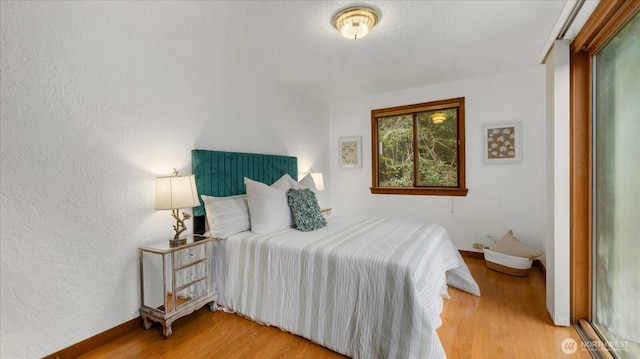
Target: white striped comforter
<point>364,287</point>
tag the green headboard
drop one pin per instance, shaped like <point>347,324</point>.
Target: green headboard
<point>221,174</point>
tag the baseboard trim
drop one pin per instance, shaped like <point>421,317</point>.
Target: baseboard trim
<point>97,340</point>
<point>542,268</point>
<point>471,254</point>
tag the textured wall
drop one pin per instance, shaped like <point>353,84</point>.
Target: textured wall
<point>99,98</point>
<point>501,197</point>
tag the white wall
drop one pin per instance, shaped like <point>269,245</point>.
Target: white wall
<point>558,221</point>
<point>501,197</point>
<point>97,100</point>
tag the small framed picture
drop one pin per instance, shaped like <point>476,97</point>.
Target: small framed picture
<point>350,152</point>
<point>502,143</point>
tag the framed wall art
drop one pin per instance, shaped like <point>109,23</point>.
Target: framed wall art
<point>502,143</point>
<point>350,152</point>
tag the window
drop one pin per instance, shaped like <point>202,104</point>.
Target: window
<point>419,149</point>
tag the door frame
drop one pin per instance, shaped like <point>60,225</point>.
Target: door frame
<point>605,21</point>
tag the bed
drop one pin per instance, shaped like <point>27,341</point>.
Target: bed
<point>364,287</point>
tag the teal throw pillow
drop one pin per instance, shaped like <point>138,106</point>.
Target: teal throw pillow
<point>305,209</point>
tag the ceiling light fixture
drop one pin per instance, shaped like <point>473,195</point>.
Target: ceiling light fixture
<point>355,22</point>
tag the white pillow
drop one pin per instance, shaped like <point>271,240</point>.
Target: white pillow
<point>268,207</point>
<point>226,215</point>
<point>307,182</point>
<point>285,182</point>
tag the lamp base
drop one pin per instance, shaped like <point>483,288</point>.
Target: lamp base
<point>177,242</point>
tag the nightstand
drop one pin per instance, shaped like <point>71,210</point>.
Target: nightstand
<point>175,282</point>
<point>326,211</point>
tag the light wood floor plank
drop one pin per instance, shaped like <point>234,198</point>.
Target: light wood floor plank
<point>509,320</point>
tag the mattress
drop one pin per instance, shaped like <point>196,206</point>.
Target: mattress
<point>364,287</point>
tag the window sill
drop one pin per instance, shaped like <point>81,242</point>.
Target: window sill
<point>420,191</point>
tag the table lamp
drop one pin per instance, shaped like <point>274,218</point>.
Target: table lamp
<point>173,193</point>
<point>318,179</point>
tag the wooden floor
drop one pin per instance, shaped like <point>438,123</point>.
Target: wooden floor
<point>508,321</point>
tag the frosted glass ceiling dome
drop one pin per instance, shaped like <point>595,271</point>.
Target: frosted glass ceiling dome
<point>355,22</point>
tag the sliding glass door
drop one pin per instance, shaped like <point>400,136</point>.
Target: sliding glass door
<point>616,195</point>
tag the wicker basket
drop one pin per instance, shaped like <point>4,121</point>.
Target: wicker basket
<point>504,263</point>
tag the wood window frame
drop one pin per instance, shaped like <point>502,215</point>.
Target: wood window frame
<point>607,18</point>
<point>461,189</point>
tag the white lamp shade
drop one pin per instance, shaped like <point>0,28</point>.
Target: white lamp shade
<point>176,192</point>
<point>318,180</point>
